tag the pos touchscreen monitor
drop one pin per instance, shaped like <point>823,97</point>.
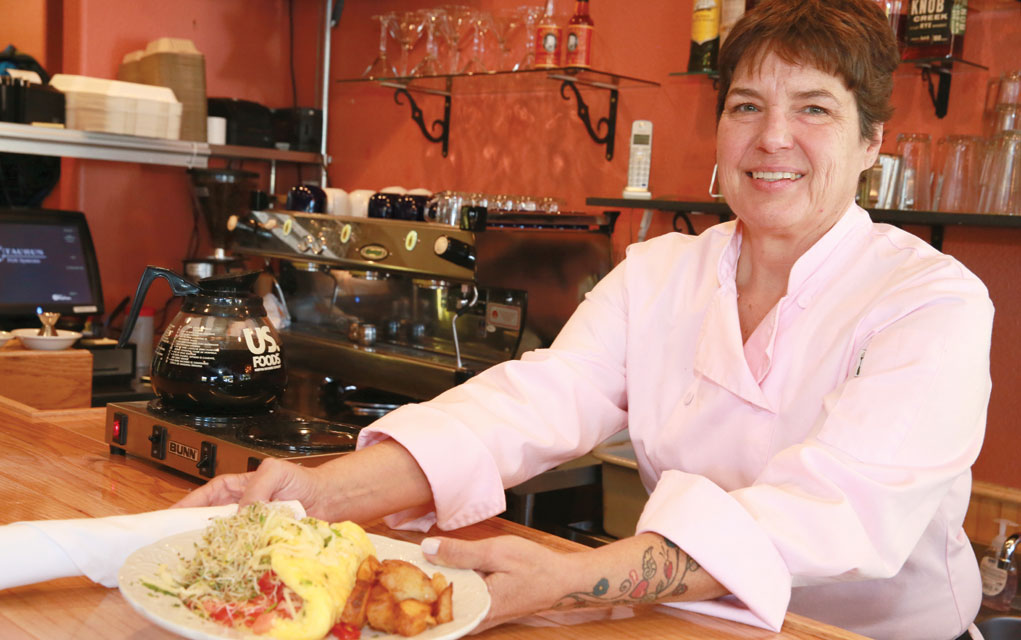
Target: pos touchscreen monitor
<point>47,261</point>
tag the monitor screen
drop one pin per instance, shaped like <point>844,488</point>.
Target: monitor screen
<point>47,261</point>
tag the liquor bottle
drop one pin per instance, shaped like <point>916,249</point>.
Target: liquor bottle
<point>705,36</point>
<point>730,12</point>
<point>935,29</point>
<point>579,37</point>
<point>547,41</point>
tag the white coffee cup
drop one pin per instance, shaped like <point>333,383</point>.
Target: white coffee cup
<point>359,202</point>
<point>337,202</point>
<point>216,130</point>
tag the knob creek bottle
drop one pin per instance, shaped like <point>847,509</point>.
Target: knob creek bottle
<point>579,37</point>
<point>705,36</point>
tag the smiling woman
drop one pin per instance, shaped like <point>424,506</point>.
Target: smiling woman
<point>805,390</point>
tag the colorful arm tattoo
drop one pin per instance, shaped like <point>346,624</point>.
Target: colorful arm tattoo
<point>657,578</point>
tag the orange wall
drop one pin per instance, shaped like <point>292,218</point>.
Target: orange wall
<point>527,141</point>
<point>23,24</point>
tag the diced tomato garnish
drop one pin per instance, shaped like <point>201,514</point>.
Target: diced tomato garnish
<point>344,631</point>
<point>263,622</point>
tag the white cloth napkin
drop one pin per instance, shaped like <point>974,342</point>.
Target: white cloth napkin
<point>42,550</point>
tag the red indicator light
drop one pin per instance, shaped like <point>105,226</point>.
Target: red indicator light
<point>119,428</point>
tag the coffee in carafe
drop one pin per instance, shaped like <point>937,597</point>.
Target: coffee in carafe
<point>219,355</point>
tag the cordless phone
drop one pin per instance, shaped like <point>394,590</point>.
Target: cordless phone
<point>640,161</point>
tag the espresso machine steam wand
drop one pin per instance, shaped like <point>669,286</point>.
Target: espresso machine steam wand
<point>463,305</point>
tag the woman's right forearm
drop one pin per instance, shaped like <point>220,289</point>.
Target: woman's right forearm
<point>371,483</point>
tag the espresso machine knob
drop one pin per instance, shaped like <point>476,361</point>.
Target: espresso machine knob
<point>310,243</point>
<point>250,225</point>
<point>456,251</point>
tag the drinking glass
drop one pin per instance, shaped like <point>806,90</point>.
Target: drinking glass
<point>959,162</point>
<point>529,19</point>
<point>1001,181</point>
<point>434,20</point>
<point>407,31</point>
<point>505,24</point>
<point>455,33</point>
<point>915,150</point>
<point>1010,88</point>
<point>381,67</point>
<point>989,108</point>
<point>1006,117</point>
<point>481,24</point>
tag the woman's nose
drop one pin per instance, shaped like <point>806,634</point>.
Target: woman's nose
<point>776,132</point>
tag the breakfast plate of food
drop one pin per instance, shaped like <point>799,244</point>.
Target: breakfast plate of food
<point>263,574</point>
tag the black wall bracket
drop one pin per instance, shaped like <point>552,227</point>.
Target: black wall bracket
<point>940,96</point>
<point>443,137</point>
<point>610,122</point>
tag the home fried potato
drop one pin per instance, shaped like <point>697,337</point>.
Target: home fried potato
<point>395,596</point>
<point>405,581</point>
<point>381,610</point>
<point>443,608</point>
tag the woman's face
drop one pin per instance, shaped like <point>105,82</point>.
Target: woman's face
<point>789,148</point>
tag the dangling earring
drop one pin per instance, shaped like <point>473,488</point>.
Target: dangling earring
<point>712,183</point>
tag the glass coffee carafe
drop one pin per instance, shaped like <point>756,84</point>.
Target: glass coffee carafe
<point>219,355</point>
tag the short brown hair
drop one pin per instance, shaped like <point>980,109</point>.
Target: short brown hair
<point>848,38</point>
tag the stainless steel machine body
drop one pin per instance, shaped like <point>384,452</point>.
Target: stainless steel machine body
<point>414,308</point>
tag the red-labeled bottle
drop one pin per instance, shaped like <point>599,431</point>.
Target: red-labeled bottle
<point>579,37</point>
<point>547,41</point>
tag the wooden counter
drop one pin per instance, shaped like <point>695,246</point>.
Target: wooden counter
<point>54,464</point>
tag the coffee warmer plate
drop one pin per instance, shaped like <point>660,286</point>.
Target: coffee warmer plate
<point>206,446</point>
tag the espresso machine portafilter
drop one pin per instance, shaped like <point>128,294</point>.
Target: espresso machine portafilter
<point>414,308</point>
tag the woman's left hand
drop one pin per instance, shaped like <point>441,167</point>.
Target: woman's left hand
<point>522,576</point>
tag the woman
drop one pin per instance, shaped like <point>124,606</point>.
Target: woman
<point>805,390</point>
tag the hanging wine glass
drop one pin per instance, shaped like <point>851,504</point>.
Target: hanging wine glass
<point>481,24</point>
<point>381,66</point>
<point>407,31</point>
<point>505,24</point>
<point>529,19</point>
<point>434,21</point>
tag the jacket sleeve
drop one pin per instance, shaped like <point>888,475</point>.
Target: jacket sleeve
<point>852,501</point>
<point>518,418</point>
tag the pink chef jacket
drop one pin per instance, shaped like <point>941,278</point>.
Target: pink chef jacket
<point>822,466</point>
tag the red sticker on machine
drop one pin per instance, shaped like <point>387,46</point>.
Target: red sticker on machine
<point>503,316</point>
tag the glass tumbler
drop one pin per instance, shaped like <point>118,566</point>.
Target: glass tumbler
<point>915,150</point>
<point>958,165</point>
<point>1001,180</point>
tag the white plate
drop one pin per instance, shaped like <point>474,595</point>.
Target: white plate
<point>5,336</point>
<point>32,340</point>
<point>471,596</point>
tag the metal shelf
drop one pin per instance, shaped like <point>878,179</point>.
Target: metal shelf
<point>507,82</point>
<point>92,145</point>
<point>936,220</point>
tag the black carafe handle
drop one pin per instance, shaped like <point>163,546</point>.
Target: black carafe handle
<point>178,286</point>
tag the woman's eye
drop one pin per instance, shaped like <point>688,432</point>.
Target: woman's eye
<point>816,110</point>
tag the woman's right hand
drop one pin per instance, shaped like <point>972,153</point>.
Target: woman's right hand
<point>361,486</point>
<point>275,479</point>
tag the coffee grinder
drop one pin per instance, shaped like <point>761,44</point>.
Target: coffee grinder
<point>218,194</point>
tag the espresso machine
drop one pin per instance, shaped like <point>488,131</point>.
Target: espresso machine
<point>386,311</point>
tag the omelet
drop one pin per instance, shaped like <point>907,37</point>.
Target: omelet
<point>318,561</point>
